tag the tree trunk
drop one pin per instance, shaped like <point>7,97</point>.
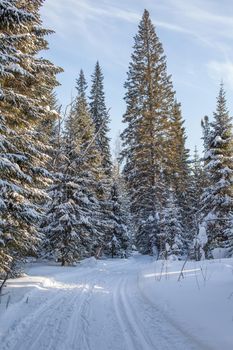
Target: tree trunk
<point>63,262</point>
<point>112,251</point>
<point>98,252</point>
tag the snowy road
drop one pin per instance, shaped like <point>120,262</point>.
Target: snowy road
<point>95,307</point>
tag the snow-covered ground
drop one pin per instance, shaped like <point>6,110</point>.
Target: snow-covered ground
<point>134,304</point>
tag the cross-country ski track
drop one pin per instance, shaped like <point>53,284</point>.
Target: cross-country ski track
<point>100,306</point>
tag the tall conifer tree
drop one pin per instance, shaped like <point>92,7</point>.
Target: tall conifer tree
<point>12,20</point>
<point>100,117</point>
<point>26,83</point>
<point>149,100</point>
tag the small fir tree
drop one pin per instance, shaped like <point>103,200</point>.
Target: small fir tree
<point>78,186</point>
<point>171,229</point>
<point>217,201</point>
<point>119,235</point>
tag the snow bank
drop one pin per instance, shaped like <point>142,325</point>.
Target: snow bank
<point>89,262</point>
<point>200,303</point>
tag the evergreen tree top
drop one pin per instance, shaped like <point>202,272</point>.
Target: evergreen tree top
<point>222,120</point>
<point>148,64</point>
<point>97,96</point>
<point>81,85</point>
<point>146,19</point>
<point>98,71</point>
<point>146,31</point>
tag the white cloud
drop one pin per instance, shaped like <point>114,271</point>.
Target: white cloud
<point>202,11</point>
<point>96,23</point>
<point>209,21</point>
<point>196,18</point>
<point>221,71</point>
<point>169,26</point>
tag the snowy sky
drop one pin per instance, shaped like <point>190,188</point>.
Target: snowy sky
<point>197,37</point>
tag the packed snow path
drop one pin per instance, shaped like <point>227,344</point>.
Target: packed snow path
<point>97,307</point>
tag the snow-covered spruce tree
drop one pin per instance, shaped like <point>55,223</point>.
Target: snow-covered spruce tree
<point>91,171</point>
<point>60,226</point>
<point>74,196</point>
<point>100,118</point>
<point>61,241</point>
<point>149,100</point>
<point>26,82</point>
<point>68,221</point>
<point>172,234</point>
<point>217,198</point>
<point>98,183</point>
<point>119,235</point>
<point>10,17</point>
<point>46,126</point>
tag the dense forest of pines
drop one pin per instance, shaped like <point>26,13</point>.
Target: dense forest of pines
<point>63,197</point>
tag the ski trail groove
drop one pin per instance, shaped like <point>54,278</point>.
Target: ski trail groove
<point>22,327</point>
<point>133,334</point>
<point>80,333</point>
<point>127,296</point>
<point>45,327</point>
